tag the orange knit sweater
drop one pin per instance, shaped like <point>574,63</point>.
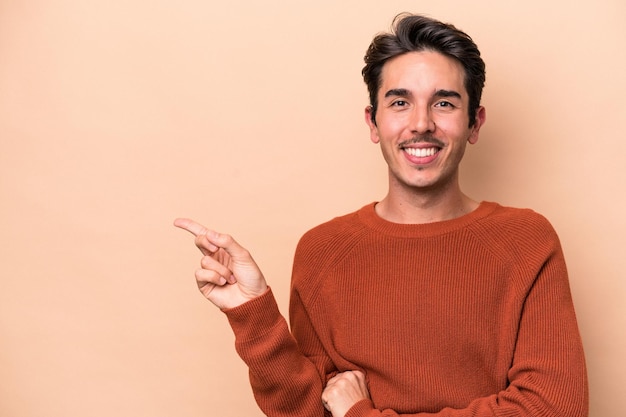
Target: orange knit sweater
<point>467,317</point>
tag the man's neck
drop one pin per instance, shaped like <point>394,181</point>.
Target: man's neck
<point>426,207</point>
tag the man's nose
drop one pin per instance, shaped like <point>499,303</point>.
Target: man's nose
<point>422,121</point>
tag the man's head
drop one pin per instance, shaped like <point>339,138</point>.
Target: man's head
<point>418,33</point>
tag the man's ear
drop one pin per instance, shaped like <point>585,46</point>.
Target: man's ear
<point>481,117</point>
<point>371,123</point>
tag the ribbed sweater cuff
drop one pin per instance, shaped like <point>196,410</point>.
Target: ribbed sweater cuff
<point>250,319</point>
<point>362,408</point>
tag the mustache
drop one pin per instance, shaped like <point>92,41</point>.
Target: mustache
<point>423,139</point>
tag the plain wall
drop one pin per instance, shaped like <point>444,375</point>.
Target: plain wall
<point>118,116</point>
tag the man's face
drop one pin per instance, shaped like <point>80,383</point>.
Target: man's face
<point>422,120</point>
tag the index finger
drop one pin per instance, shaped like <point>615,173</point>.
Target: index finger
<point>192,227</point>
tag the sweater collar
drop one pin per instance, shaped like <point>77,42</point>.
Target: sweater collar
<point>368,216</point>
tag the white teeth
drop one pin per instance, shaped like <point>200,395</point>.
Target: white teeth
<point>421,153</point>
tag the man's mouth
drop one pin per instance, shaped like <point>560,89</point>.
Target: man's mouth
<point>422,152</point>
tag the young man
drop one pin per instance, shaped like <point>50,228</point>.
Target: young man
<point>427,302</point>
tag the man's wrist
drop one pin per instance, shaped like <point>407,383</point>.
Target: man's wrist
<point>251,317</point>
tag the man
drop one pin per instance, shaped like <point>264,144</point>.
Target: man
<point>427,302</point>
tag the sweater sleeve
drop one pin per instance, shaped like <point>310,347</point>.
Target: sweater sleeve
<point>548,375</point>
<point>284,381</point>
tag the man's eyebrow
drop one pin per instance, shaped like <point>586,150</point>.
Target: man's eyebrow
<point>398,92</point>
<point>447,93</point>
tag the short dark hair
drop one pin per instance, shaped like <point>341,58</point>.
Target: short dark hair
<point>411,33</point>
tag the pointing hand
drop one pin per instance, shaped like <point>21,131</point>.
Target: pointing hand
<point>228,276</point>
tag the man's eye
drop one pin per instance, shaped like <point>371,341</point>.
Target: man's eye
<point>446,104</point>
<point>399,103</point>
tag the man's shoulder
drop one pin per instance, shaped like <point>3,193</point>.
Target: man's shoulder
<point>324,245</point>
<point>515,220</point>
<point>338,230</point>
<point>516,232</point>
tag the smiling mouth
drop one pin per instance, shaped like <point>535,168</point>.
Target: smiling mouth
<point>422,147</point>
<point>421,152</point>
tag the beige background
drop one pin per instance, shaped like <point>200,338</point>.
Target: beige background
<point>118,116</point>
